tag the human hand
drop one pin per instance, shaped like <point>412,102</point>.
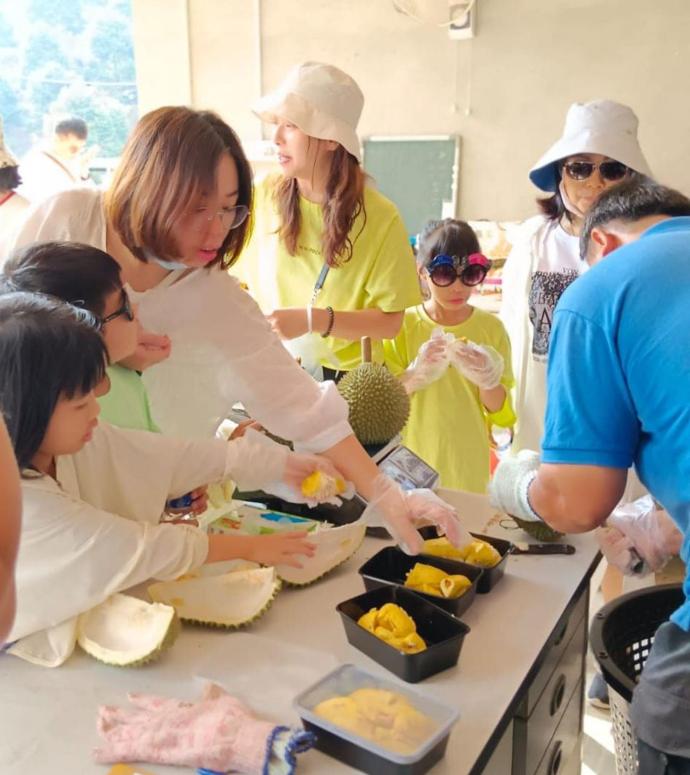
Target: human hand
<point>199,500</point>
<point>430,364</point>
<point>478,363</point>
<point>511,479</point>
<point>151,349</point>
<point>243,427</point>
<point>280,548</point>
<point>218,733</point>
<point>402,512</point>
<point>289,323</point>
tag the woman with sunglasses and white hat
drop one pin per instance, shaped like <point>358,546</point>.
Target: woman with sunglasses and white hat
<point>598,148</point>
<point>329,254</point>
<point>175,218</point>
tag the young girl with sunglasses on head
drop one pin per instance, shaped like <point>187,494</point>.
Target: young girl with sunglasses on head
<point>454,360</point>
<point>90,519</point>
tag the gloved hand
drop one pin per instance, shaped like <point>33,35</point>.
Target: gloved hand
<point>511,479</point>
<point>401,512</point>
<point>261,463</point>
<point>218,733</point>
<point>431,362</point>
<point>479,363</point>
<point>639,538</point>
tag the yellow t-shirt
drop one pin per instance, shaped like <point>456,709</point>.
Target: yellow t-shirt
<point>448,425</point>
<point>381,273</point>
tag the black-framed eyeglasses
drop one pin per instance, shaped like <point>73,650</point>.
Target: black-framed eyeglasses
<point>230,217</point>
<point>471,270</point>
<point>609,170</point>
<point>125,310</point>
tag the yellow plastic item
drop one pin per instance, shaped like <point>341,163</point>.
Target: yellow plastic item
<point>479,553</point>
<point>384,717</point>
<point>320,485</point>
<point>434,581</point>
<point>393,625</point>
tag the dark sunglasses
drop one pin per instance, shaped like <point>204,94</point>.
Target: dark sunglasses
<point>443,270</point>
<point>609,170</point>
<point>125,309</point>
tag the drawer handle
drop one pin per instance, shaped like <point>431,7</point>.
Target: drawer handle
<point>556,759</point>
<point>561,634</point>
<point>558,695</point>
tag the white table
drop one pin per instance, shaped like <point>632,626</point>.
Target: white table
<point>47,717</point>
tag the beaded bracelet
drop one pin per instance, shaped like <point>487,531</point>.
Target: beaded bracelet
<point>331,321</point>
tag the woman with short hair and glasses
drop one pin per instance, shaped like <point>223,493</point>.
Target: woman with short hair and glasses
<point>175,218</point>
<point>598,148</point>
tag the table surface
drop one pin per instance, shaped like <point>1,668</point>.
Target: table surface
<point>47,716</point>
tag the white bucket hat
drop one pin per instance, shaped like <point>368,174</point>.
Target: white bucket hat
<point>601,126</point>
<point>319,99</point>
<point>6,158</point>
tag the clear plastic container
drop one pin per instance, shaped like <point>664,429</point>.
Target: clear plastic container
<point>365,754</point>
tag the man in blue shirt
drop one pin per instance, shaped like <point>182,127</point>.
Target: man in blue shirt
<point>619,394</point>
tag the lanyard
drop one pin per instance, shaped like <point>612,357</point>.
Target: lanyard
<point>320,280</point>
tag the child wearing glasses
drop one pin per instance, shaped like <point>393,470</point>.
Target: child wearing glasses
<point>454,360</point>
<point>92,493</point>
<point>88,277</point>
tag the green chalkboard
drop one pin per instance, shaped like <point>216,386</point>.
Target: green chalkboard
<point>419,174</point>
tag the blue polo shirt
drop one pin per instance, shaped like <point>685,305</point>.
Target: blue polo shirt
<point>619,371</point>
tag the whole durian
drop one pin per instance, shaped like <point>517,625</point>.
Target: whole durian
<point>378,402</point>
<point>538,530</point>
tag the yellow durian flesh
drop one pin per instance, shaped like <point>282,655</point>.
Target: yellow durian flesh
<point>387,718</point>
<point>455,586</point>
<point>434,581</point>
<point>394,626</point>
<point>478,553</point>
<point>424,574</point>
<point>321,486</point>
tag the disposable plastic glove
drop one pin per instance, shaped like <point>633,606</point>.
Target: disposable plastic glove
<point>401,512</point>
<point>264,464</point>
<point>639,538</point>
<point>479,363</point>
<point>218,733</point>
<point>511,479</point>
<point>431,362</point>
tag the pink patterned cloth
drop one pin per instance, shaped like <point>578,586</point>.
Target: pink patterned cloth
<point>218,733</point>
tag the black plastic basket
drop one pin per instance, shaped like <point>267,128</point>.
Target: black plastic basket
<point>621,636</point>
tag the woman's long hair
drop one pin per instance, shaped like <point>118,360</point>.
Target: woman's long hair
<point>48,349</point>
<point>343,204</point>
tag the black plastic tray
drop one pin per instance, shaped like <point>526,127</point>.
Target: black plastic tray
<point>442,633</point>
<point>491,576</point>
<point>391,565</point>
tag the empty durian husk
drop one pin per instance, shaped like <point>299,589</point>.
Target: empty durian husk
<point>540,531</point>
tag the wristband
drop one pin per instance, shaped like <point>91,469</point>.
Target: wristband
<point>331,321</point>
<point>310,309</point>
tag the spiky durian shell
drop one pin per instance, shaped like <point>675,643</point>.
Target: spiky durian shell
<point>378,402</point>
<point>126,612</point>
<point>538,530</point>
<point>334,546</point>
<point>212,596</point>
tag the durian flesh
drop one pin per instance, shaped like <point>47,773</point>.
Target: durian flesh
<point>394,626</point>
<point>126,631</point>
<point>479,553</point>
<point>216,596</point>
<point>379,404</point>
<point>384,717</point>
<point>434,581</point>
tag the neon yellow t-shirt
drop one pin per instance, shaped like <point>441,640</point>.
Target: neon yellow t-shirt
<point>448,425</point>
<point>126,404</point>
<point>381,273</point>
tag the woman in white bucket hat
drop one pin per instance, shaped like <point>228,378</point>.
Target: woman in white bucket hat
<point>330,255</point>
<point>597,149</point>
<point>12,205</point>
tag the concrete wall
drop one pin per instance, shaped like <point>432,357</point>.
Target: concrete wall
<point>505,92</point>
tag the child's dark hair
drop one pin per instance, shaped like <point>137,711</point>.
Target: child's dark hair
<point>449,236</point>
<point>78,274</point>
<point>47,349</point>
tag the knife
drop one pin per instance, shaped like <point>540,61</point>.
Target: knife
<point>525,548</point>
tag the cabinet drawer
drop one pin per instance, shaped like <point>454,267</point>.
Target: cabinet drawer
<point>559,642</point>
<point>532,735</point>
<point>561,755</point>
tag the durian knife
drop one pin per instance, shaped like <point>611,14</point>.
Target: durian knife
<point>525,548</point>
